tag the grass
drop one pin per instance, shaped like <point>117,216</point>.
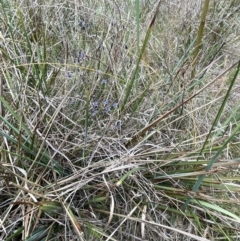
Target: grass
<point>119,121</point>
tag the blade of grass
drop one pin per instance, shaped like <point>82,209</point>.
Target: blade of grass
<point>137,6</point>
<point>126,176</point>
<point>199,37</point>
<point>86,126</point>
<point>74,222</point>
<point>216,208</point>
<point>16,233</point>
<point>145,42</point>
<point>38,234</point>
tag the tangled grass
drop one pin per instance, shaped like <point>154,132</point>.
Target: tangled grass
<point>119,120</point>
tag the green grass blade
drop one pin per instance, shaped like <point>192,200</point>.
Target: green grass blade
<point>217,208</point>
<point>199,37</point>
<point>137,6</point>
<point>145,42</point>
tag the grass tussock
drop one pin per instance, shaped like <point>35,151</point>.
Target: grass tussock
<point>119,120</point>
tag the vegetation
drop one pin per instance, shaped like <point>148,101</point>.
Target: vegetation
<point>119,120</point>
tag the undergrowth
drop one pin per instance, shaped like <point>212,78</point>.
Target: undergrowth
<point>119,120</point>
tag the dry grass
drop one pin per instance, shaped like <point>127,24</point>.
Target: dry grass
<point>101,144</point>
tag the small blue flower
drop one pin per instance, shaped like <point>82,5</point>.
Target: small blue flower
<point>73,102</point>
<point>105,102</point>
<point>69,74</point>
<point>115,105</point>
<point>83,25</point>
<point>104,81</point>
<point>82,54</point>
<point>118,124</point>
<point>95,104</point>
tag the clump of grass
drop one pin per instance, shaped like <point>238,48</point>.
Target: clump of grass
<point>119,121</point>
